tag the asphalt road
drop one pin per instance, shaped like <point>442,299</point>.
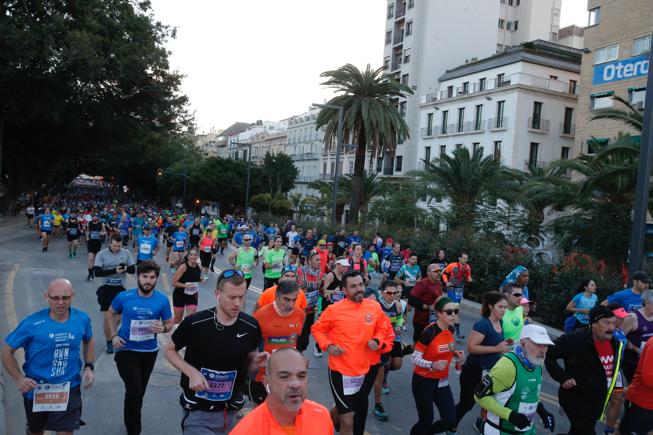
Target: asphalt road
<point>24,274</point>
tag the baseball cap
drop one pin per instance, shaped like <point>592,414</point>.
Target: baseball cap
<point>620,313</point>
<point>289,269</point>
<point>322,242</point>
<point>329,243</point>
<point>600,312</point>
<point>146,227</point>
<point>343,262</point>
<point>537,334</point>
<point>523,301</point>
<point>641,276</point>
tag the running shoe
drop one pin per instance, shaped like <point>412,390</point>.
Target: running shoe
<point>404,328</point>
<point>317,352</point>
<point>110,348</point>
<point>385,389</point>
<point>380,413</point>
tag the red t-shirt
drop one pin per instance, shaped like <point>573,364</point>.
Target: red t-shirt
<point>428,292</point>
<point>606,356</point>
<point>640,391</point>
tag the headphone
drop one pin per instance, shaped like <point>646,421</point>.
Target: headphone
<point>267,388</point>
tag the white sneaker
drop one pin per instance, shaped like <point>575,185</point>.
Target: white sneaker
<point>317,353</point>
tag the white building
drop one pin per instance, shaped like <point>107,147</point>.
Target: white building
<point>519,105</point>
<point>304,147</point>
<point>425,37</point>
<point>572,36</point>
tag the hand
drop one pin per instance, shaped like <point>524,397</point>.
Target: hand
<point>449,284</point>
<point>88,378</point>
<point>519,420</point>
<point>548,420</point>
<point>569,383</point>
<point>260,359</point>
<point>502,347</point>
<point>440,365</point>
<point>117,342</point>
<point>335,350</point>
<point>157,327</point>
<point>25,384</point>
<point>372,344</point>
<point>197,381</point>
<point>120,269</point>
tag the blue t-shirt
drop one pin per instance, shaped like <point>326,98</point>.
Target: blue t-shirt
<point>353,239</point>
<point>629,300</point>
<point>179,244</point>
<point>123,226</point>
<point>137,314</point>
<point>238,238</point>
<point>52,349</point>
<point>271,232</point>
<point>137,226</point>
<point>45,222</point>
<point>307,245</point>
<point>146,246</point>
<point>583,303</point>
<point>492,338</point>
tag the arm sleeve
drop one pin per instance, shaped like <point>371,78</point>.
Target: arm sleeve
<point>503,378</point>
<point>446,272</point>
<point>98,271</point>
<point>556,352</point>
<point>417,358</point>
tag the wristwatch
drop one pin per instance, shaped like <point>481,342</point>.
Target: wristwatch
<point>89,365</point>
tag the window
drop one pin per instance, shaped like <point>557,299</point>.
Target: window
<point>404,79</point>
<point>601,101</point>
<point>509,25</point>
<point>445,119</point>
<point>499,48</point>
<point>481,84</point>
<point>429,124</point>
<point>554,36</point>
<point>515,25</point>
<point>398,164</point>
<point>400,139</point>
<point>388,37</point>
<point>500,107</point>
<point>552,77</point>
<point>443,150</point>
<point>517,4</point>
<point>477,117</point>
<point>459,146</point>
<point>427,154</point>
<point>409,28</point>
<point>386,63</point>
<point>324,167</point>
<point>465,89</point>
<point>537,115</point>
<point>573,87</point>
<point>532,155</point>
<point>509,2</point>
<point>497,150</point>
<point>402,108</point>
<point>449,91</point>
<point>411,3</point>
<point>606,54</point>
<point>642,45</point>
<point>475,146</point>
<point>594,17</point>
<point>500,79</point>
<point>564,153</point>
<point>636,97</point>
<point>379,164</point>
<point>351,167</point>
<point>566,125</point>
<point>461,119</point>
<point>407,55</point>
<point>502,23</point>
<point>391,11</point>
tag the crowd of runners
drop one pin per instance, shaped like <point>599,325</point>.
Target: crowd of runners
<point>355,297</point>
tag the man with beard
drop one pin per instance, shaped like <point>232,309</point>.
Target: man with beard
<point>592,359</point>
<point>510,390</point>
<point>286,409</point>
<point>145,313</point>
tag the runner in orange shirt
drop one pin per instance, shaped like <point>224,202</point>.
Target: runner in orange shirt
<point>281,323</point>
<point>355,332</point>
<point>289,273</point>
<point>286,409</point>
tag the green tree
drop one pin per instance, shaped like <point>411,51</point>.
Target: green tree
<point>397,205</point>
<point>371,187</point>
<point>279,172</point>
<point>371,118</point>
<point>628,115</point>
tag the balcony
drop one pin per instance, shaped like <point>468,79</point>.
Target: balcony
<point>567,130</point>
<point>399,37</point>
<point>497,124</point>
<point>401,11</point>
<point>427,132</point>
<point>538,125</point>
<point>537,164</point>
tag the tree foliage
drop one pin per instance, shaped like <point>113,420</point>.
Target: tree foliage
<point>279,172</point>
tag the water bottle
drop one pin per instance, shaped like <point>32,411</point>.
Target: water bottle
<point>459,355</point>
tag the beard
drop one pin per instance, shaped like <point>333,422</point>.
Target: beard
<point>537,359</point>
<point>147,289</point>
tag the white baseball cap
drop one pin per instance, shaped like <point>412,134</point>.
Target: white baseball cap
<point>537,334</point>
<point>343,262</point>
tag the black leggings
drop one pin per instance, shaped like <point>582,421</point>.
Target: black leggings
<point>304,338</point>
<point>427,392</point>
<point>636,420</point>
<point>135,369</point>
<point>470,377</point>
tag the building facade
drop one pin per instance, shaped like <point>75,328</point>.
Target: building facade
<point>615,63</point>
<point>519,105</point>
<point>423,38</point>
<point>304,146</point>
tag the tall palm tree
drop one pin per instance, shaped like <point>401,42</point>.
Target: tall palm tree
<point>371,118</point>
<point>629,116</point>
<point>371,187</point>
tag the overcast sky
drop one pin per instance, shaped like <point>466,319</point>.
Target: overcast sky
<point>246,60</point>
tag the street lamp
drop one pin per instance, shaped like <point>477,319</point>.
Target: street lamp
<point>249,165</point>
<point>638,236</point>
<point>341,120</point>
<point>160,173</point>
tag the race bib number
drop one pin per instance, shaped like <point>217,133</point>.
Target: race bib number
<point>113,281</point>
<point>311,297</point>
<point>95,235</point>
<point>141,330</point>
<point>245,268</point>
<point>207,249</point>
<point>46,223</point>
<point>352,384</point>
<point>528,409</point>
<point>443,383</point>
<point>51,397</point>
<point>433,317</point>
<point>194,288</point>
<point>179,244</point>
<point>145,249</point>
<point>410,282</point>
<point>196,232</point>
<point>73,231</point>
<point>221,385</point>
<point>337,296</point>
<point>277,267</point>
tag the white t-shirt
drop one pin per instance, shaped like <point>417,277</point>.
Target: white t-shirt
<point>291,238</point>
<point>29,210</point>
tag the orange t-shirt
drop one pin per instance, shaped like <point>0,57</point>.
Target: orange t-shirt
<point>312,419</point>
<point>350,326</point>
<point>267,297</point>
<point>435,345</point>
<point>278,331</point>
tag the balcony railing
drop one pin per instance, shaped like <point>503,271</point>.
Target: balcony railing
<point>427,131</point>
<point>399,37</point>
<point>400,12</point>
<point>567,130</point>
<point>537,164</point>
<point>538,125</point>
<point>494,124</point>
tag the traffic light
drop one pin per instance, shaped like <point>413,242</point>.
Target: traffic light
<point>159,173</point>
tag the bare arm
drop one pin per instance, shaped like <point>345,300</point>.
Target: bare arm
<point>23,383</point>
<point>177,276</point>
<point>474,345</point>
<point>197,382</point>
<point>88,351</point>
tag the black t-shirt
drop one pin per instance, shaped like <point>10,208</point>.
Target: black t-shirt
<point>220,350</point>
<point>170,230</point>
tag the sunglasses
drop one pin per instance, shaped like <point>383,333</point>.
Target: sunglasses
<point>450,312</point>
<point>247,240</point>
<point>60,298</point>
<point>435,270</point>
<point>517,295</point>
<point>393,293</point>
<point>230,273</point>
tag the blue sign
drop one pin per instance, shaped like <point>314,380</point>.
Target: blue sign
<point>620,70</point>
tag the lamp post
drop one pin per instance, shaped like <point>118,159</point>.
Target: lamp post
<point>249,165</point>
<point>160,173</point>
<point>638,236</point>
<point>341,120</point>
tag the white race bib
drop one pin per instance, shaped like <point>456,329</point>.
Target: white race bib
<point>207,249</point>
<point>245,268</point>
<point>443,383</point>
<point>194,288</point>
<point>141,330</point>
<point>179,243</point>
<point>145,248</point>
<point>528,409</point>
<point>221,385</point>
<point>51,397</point>
<point>352,384</point>
<point>277,267</point>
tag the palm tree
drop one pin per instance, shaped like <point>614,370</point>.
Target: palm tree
<point>629,116</point>
<point>371,118</point>
<point>371,187</point>
<point>466,179</point>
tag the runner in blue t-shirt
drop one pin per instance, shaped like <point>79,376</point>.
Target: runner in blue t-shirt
<point>53,339</point>
<point>179,244</point>
<point>145,313</point>
<point>45,221</point>
<point>147,245</point>
<point>630,298</point>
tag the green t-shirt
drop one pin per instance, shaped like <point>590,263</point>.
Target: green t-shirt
<point>276,258</point>
<point>245,261</point>
<point>223,231</point>
<point>513,322</point>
